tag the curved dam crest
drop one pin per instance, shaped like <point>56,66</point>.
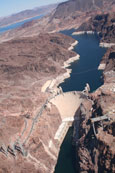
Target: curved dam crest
<point>68,103</point>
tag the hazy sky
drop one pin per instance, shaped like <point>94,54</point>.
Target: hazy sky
<point>8,7</point>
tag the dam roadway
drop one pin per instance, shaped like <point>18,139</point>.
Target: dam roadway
<point>67,105</point>
<point>83,71</point>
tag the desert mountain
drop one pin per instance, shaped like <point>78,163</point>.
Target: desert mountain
<point>70,7</point>
<point>67,15</point>
<point>27,14</point>
<point>29,121</point>
<point>104,24</point>
<point>25,65</point>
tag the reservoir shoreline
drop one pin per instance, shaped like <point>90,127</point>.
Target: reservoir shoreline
<point>54,83</point>
<point>50,97</point>
<point>58,169</point>
<point>19,21</point>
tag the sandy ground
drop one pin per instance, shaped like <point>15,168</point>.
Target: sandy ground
<point>72,45</point>
<point>70,60</point>
<point>101,66</point>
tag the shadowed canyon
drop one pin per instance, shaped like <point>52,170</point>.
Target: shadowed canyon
<point>36,112</point>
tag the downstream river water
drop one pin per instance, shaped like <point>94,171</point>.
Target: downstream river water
<point>85,70</point>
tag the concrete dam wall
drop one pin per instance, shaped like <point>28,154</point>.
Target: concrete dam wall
<point>67,105</point>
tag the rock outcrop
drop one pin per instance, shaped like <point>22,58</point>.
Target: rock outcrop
<point>96,138</point>
<point>104,24</point>
<point>95,143</point>
<point>68,15</point>
<point>28,123</point>
<point>65,9</point>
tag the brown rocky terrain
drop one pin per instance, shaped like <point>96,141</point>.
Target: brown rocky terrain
<point>70,14</point>
<point>95,143</point>
<point>95,146</point>
<point>109,60</point>
<point>43,10</point>
<point>28,122</point>
<point>25,65</point>
<point>102,23</point>
<point>70,7</point>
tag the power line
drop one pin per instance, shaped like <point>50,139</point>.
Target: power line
<point>84,71</point>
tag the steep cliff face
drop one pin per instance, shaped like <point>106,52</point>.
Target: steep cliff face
<point>67,8</point>
<point>27,143</point>
<point>83,137</point>
<point>95,153</point>
<point>70,14</point>
<point>71,6</point>
<point>96,137</point>
<point>95,145</point>
<point>27,123</point>
<point>109,60</point>
<point>102,23</point>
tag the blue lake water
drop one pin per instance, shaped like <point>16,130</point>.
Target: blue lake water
<point>18,24</point>
<point>85,70</point>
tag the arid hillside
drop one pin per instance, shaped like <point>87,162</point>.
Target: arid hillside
<point>67,15</point>
<point>25,65</point>
<point>27,60</point>
<point>7,20</point>
<point>104,24</point>
<point>95,150</point>
<point>70,7</point>
<point>32,58</point>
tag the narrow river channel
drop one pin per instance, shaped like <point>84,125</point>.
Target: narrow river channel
<point>85,70</point>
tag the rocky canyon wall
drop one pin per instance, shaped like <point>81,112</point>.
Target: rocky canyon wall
<point>28,123</point>
<point>96,138</point>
